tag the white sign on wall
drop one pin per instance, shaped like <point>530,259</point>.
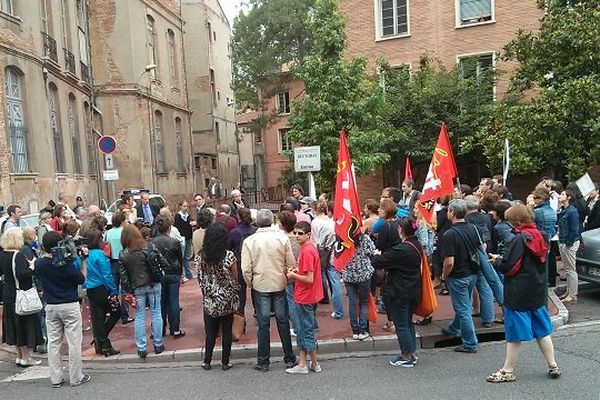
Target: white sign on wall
<point>111,175</point>
<point>307,159</point>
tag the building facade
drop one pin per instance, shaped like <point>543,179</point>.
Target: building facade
<point>138,64</point>
<point>48,144</point>
<point>215,138</point>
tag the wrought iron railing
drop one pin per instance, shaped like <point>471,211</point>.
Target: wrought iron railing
<point>50,49</point>
<point>85,73</point>
<point>70,61</point>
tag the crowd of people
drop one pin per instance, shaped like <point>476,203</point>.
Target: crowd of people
<point>482,246</point>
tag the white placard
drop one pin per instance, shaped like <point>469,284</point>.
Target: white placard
<point>307,159</point>
<point>111,174</point>
<point>585,184</point>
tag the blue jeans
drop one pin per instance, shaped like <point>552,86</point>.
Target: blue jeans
<point>264,303</point>
<point>335,285</point>
<point>495,283</point>
<point>307,327</point>
<point>358,305</point>
<point>170,302</point>
<point>289,290</point>
<point>153,295</point>
<point>461,294</point>
<point>402,311</point>
<point>486,298</point>
<point>187,252</point>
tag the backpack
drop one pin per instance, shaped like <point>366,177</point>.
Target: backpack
<point>156,261</point>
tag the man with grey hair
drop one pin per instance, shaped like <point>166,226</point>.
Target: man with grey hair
<point>224,217</point>
<point>237,202</point>
<point>266,258</point>
<point>63,199</point>
<point>461,274</point>
<point>93,212</point>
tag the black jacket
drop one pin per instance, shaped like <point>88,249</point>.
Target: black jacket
<point>527,290</point>
<point>171,250</point>
<point>403,265</point>
<point>135,271</point>
<point>593,220</point>
<point>153,209</point>
<point>183,226</point>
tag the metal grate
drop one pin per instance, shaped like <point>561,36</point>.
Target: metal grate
<point>70,61</point>
<point>50,49</point>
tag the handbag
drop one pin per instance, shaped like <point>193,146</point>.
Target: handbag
<point>427,303</point>
<point>106,249</point>
<point>372,310</point>
<point>238,328</point>
<point>27,302</point>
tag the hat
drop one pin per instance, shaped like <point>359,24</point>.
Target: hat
<point>307,200</point>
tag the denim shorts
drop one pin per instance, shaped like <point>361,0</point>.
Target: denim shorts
<point>522,326</point>
<point>307,327</point>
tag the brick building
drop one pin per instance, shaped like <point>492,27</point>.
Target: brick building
<point>141,93</point>
<point>48,145</point>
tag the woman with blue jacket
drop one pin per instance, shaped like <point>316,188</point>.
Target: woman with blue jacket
<point>102,294</point>
<point>568,242</point>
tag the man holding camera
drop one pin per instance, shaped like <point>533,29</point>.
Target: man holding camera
<point>63,315</point>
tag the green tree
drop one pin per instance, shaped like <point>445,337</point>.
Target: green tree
<point>339,94</point>
<point>551,114</point>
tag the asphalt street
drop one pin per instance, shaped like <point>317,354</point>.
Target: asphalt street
<point>440,374</point>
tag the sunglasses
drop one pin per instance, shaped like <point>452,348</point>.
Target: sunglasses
<point>296,233</point>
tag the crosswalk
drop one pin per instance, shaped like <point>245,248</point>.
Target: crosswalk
<point>29,374</point>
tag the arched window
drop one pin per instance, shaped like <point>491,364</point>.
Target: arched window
<point>160,148</point>
<point>151,41</point>
<point>90,139</point>
<point>172,57</point>
<point>180,163</point>
<point>74,133</point>
<point>55,130</point>
<point>16,120</point>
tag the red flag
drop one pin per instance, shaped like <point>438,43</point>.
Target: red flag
<point>407,170</point>
<point>440,177</point>
<point>346,209</point>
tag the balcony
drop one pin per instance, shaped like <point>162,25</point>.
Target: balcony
<point>50,50</point>
<point>85,73</point>
<point>70,61</point>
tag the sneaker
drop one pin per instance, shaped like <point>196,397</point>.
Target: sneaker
<point>30,362</point>
<point>398,361</point>
<point>363,336</point>
<point>59,384</point>
<point>317,368</point>
<point>142,353</point>
<point>292,333</point>
<point>335,315</point>
<point>463,349</point>
<point>85,379</point>
<point>291,364</point>
<point>159,349</point>
<point>261,368</point>
<point>18,361</point>
<point>355,336</point>
<point>297,370</point>
<point>227,366</point>
<point>206,366</point>
<point>486,324</point>
<point>184,279</point>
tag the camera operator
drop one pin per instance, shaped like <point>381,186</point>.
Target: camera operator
<point>63,316</point>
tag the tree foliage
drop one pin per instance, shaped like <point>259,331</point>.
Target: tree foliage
<point>551,114</point>
<point>339,94</point>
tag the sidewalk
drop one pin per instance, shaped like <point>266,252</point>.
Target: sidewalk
<point>334,336</point>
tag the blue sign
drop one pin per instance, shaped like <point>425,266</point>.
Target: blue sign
<point>107,144</point>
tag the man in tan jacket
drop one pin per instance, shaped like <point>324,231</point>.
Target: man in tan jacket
<point>266,258</point>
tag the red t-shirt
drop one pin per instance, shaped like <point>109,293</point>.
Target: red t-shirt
<point>309,293</point>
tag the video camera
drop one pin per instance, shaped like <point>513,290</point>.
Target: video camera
<point>67,250</point>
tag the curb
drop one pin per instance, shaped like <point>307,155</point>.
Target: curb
<point>562,317</point>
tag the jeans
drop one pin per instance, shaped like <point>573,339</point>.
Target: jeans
<point>307,327</point>
<point>264,303</point>
<point>461,295</point>
<point>289,290</point>
<point>170,302</point>
<point>187,252</point>
<point>64,320</point>
<point>402,311</point>
<point>358,305</point>
<point>114,266</point>
<point>486,298</point>
<point>101,325</point>
<point>211,328</point>
<point>335,285</point>
<point>491,277</point>
<point>153,295</point>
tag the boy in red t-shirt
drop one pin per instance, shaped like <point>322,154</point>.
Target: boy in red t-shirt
<point>308,291</point>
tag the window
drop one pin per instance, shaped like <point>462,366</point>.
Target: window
<point>392,18</point>
<point>217,132</point>
<point>283,103</point>
<point>160,149</point>
<point>474,11</point>
<point>151,42</point>
<point>179,146</point>
<point>46,12</point>
<point>209,26</point>
<point>6,6</point>
<point>66,27</point>
<point>90,139</point>
<point>213,87</point>
<point>82,38</point>
<point>213,163</point>
<point>16,120</point>
<point>172,57</point>
<point>55,129</point>
<point>74,132</point>
<point>284,142</point>
<point>479,67</point>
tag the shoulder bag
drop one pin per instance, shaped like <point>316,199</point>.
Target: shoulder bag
<point>27,302</point>
<point>428,303</point>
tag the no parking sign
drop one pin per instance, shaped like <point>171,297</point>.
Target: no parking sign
<point>107,144</point>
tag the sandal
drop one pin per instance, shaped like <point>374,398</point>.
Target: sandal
<point>554,371</point>
<point>179,334</point>
<point>389,327</point>
<point>501,376</point>
<point>424,321</point>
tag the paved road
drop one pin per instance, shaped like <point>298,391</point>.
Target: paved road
<point>588,305</point>
<point>441,374</point>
